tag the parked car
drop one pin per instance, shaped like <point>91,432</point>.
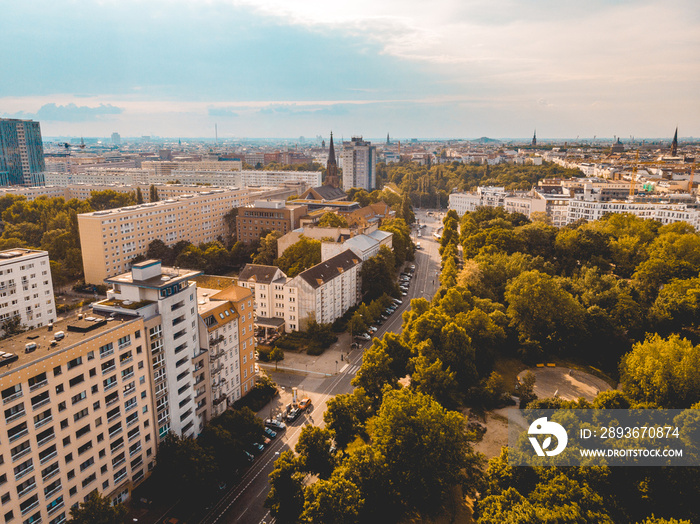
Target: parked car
<point>249,456</point>
<point>363,336</point>
<point>257,448</point>
<point>266,441</point>
<point>403,293</point>
<point>372,329</point>
<point>293,414</point>
<point>269,433</point>
<point>354,345</point>
<point>398,301</point>
<point>305,403</point>
<point>275,424</point>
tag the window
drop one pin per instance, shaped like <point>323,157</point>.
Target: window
<point>80,414</point>
<point>82,449</point>
<point>108,366</point>
<point>82,431</point>
<point>75,362</point>
<point>56,371</point>
<point>79,397</point>
<point>76,380</point>
<point>106,350</point>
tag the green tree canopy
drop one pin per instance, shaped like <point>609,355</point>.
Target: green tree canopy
<point>300,256</point>
<point>99,510</point>
<point>331,219</point>
<point>267,252</point>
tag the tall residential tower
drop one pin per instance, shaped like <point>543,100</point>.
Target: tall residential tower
<point>21,153</point>
<point>359,161</point>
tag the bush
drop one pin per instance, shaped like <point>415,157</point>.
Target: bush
<point>315,349</point>
<point>264,353</point>
<point>82,287</point>
<point>262,393</point>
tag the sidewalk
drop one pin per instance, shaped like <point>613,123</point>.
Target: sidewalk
<point>326,364</point>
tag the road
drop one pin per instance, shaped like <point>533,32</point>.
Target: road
<point>243,503</point>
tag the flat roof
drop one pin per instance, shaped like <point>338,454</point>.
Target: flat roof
<point>19,252</point>
<point>167,277</point>
<point>42,337</point>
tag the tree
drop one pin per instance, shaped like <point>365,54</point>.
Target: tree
<point>546,316</point>
<point>432,379</point>
<point>377,274</point>
<point>99,510</point>
<point>286,496</point>
<point>346,415</point>
<point>276,355</point>
<point>665,372</point>
<point>331,219</point>
<point>159,250</point>
<point>301,255</point>
<point>375,373</point>
<point>12,326</point>
<point>139,196</point>
<point>423,449</point>
<point>526,389</point>
<point>191,258</point>
<point>216,259</point>
<point>109,199</point>
<point>153,194</point>
<point>337,500</point>
<point>230,223</point>
<point>314,449</point>
<point>267,252</point>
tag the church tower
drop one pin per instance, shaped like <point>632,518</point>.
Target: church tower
<point>534,139</point>
<point>674,144</point>
<point>332,178</point>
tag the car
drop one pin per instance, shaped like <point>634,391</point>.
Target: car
<point>249,456</point>
<point>403,293</point>
<point>373,329</point>
<point>269,433</point>
<point>388,311</point>
<point>354,345</point>
<point>305,403</point>
<point>256,448</point>
<point>266,441</point>
<point>363,336</point>
<point>378,322</point>
<point>293,414</point>
<point>398,301</point>
<point>384,317</point>
<point>412,267</point>
<point>275,424</point>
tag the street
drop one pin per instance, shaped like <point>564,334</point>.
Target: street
<point>243,503</point>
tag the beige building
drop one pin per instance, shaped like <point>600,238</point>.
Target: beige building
<point>111,239</point>
<point>267,215</point>
<point>78,416</point>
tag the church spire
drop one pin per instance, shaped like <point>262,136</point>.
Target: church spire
<point>534,138</point>
<point>332,178</point>
<point>674,144</point>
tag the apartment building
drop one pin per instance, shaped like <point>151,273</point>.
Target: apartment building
<point>78,412</point>
<point>267,215</point>
<point>235,366</point>
<point>26,288</point>
<point>359,162</point>
<point>266,284</point>
<point>21,152</point>
<point>111,239</point>
<point>664,212</point>
<point>99,176</point>
<point>325,291</point>
<point>166,299</point>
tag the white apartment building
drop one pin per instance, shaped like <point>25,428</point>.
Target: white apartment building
<point>487,196</point>
<point>26,288</point>
<point>359,163</point>
<point>166,298</point>
<point>111,239</point>
<point>99,176</point>
<point>666,213</point>
<point>325,291</point>
<point>267,286</point>
<point>237,178</point>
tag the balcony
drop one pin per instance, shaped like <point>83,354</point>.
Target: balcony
<point>23,472</point>
<point>55,508</point>
<point>43,421</point>
<point>217,369</point>
<point>21,453</point>
<point>42,402</point>
<point>9,399</point>
<point>26,490</point>
<point>109,369</point>
<point>38,385</point>
<point>46,440</point>
<point>217,340</point>
<point>27,509</point>
<point>54,490</point>
<point>48,457</point>
<point>218,400</point>
<point>15,416</point>
<point>18,435</point>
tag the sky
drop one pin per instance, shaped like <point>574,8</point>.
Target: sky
<point>410,68</point>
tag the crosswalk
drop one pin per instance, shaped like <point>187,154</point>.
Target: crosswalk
<point>351,370</point>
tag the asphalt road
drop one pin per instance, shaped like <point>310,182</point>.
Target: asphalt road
<point>243,503</point>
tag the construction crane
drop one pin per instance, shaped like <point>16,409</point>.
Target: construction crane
<point>634,174</point>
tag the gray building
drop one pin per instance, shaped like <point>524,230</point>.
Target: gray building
<point>21,153</point>
<point>359,163</point>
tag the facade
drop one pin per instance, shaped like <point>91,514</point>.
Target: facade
<point>78,416</point>
<point>21,152</point>
<point>166,300</point>
<point>325,291</point>
<point>110,239</point>
<point>266,284</point>
<point>359,162</point>
<point>232,353</point>
<point>267,215</point>
<point>26,289</point>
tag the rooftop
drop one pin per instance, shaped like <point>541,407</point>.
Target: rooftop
<point>76,331</point>
<point>167,277</point>
<point>321,273</point>
<point>258,273</point>
<point>18,252</point>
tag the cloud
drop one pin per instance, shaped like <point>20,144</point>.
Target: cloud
<point>222,112</point>
<point>70,113</point>
<point>303,109</point>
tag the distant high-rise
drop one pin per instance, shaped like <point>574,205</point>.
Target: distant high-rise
<point>674,144</point>
<point>116,139</point>
<point>359,161</point>
<point>332,178</point>
<point>387,140</point>
<point>21,152</point>
<point>534,138</point>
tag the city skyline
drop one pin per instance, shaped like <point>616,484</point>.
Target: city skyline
<point>284,69</point>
